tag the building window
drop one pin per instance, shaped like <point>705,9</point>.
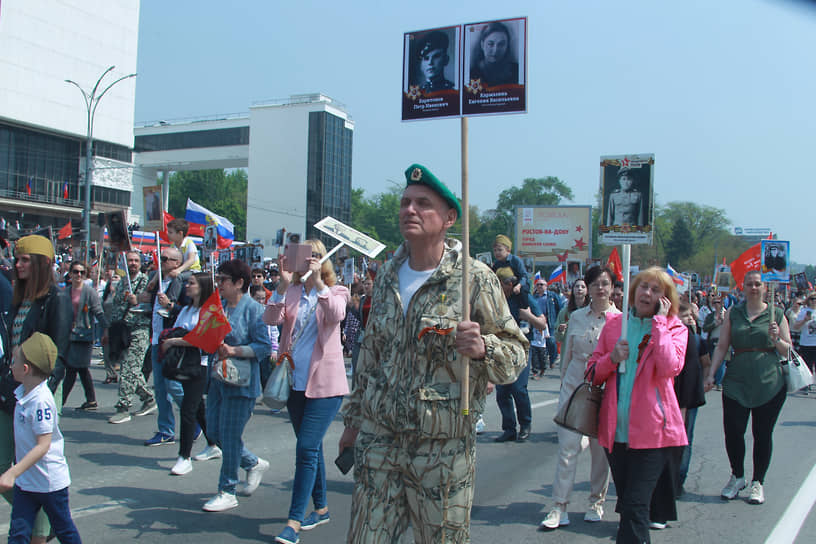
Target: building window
<point>193,139</point>
<point>328,190</point>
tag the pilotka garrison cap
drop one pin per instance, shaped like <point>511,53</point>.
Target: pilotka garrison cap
<point>416,174</point>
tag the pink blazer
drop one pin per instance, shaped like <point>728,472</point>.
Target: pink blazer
<point>655,420</point>
<point>327,370</point>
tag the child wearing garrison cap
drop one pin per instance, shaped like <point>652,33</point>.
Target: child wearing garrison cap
<point>40,475</point>
<point>502,257</point>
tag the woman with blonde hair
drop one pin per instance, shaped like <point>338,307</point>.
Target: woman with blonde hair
<point>310,311</point>
<point>640,424</point>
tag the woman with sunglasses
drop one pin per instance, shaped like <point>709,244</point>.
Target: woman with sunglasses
<point>37,306</point>
<point>229,407</point>
<point>198,288</point>
<point>87,306</point>
<point>640,424</point>
<point>310,311</point>
<point>753,386</point>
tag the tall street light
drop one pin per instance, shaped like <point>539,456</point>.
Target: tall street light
<point>91,102</point>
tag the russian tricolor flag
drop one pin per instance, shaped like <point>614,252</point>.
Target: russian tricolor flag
<point>559,274</point>
<point>674,275</point>
<point>200,217</point>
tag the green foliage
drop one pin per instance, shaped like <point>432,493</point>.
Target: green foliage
<point>681,243</point>
<point>547,191</point>
<point>218,191</point>
<point>378,217</point>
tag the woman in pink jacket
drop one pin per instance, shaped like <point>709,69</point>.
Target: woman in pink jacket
<point>310,313</point>
<point>640,422</point>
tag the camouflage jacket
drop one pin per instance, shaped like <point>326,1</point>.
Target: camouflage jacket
<point>139,283</point>
<point>408,379</point>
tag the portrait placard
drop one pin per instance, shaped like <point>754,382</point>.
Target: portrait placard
<point>627,189</point>
<point>430,73</point>
<point>152,207</point>
<point>775,260</point>
<point>494,67</point>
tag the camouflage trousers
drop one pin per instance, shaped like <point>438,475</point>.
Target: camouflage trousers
<point>131,379</point>
<point>401,479</point>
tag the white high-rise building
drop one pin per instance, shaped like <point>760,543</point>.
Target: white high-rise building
<point>43,119</point>
<point>297,151</point>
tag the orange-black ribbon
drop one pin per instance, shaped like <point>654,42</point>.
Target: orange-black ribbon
<point>284,356</point>
<point>436,329</point>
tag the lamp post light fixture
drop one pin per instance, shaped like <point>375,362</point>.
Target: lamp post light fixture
<point>91,102</point>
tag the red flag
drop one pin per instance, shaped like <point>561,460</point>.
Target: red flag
<point>155,257</point>
<point>65,232</point>
<point>213,326</point>
<point>615,264</point>
<point>163,233</point>
<point>746,262</point>
<point>65,190</point>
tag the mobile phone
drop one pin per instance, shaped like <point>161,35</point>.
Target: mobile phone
<point>345,460</point>
<point>297,257</point>
<point>657,307</point>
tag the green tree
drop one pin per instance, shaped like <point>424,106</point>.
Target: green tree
<point>680,245</point>
<point>548,191</point>
<point>217,190</point>
<point>378,217</point>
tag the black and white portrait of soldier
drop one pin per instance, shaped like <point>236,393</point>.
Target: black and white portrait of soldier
<point>432,59</point>
<point>626,200</point>
<point>775,258</point>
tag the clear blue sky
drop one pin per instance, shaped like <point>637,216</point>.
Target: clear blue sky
<point>722,92</point>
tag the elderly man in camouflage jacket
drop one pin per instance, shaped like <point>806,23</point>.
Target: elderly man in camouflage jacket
<point>414,450</point>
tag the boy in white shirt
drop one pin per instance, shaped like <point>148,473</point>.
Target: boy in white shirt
<point>40,476</point>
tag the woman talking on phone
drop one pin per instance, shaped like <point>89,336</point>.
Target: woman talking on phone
<point>640,423</point>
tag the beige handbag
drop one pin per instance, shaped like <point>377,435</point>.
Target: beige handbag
<point>580,412</point>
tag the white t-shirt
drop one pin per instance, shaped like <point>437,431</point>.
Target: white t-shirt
<point>409,283</point>
<point>188,319</point>
<point>35,415</point>
<point>808,331</point>
<point>158,321</point>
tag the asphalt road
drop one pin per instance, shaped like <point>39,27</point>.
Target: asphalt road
<point>122,491</point>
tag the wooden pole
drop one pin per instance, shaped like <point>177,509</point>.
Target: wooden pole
<point>625,317</point>
<point>773,300</point>
<point>465,264</point>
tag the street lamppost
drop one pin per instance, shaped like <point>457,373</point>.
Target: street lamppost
<point>91,102</point>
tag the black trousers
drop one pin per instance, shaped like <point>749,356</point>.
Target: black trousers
<point>192,410</point>
<point>635,473</point>
<point>84,377</point>
<point>763,420</point>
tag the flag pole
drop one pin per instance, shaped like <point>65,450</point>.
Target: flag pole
<point>158,264</point>
<point>127,273</point>
<point>625,317</point>
<point>323,260</point>
<point>465,264</point>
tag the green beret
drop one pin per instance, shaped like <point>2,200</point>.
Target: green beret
<point>416,174</point>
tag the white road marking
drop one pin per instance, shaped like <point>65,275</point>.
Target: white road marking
<point>99,508</point>
<point>795,514</point>
<point>545,403</point>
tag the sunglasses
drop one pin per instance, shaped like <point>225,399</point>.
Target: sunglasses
<point>77,272</point>
<point>165,259</point>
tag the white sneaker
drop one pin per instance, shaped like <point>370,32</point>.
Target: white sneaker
<point>732,488</point>
<point>757,494</point>
<point>657,525</point>
<point>210,452</point>
<point>182,466</point>
<point>555,519</point>
<point>254,476</point>
<point>595,513</point>
<point>219,503</point>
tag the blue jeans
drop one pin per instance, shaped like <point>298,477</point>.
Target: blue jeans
<point>24,510</point>
<point>685,460</point>
<point>226,418</point>
<point>516,391</point>
<point>164,390</point>
<point>310,420</point>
